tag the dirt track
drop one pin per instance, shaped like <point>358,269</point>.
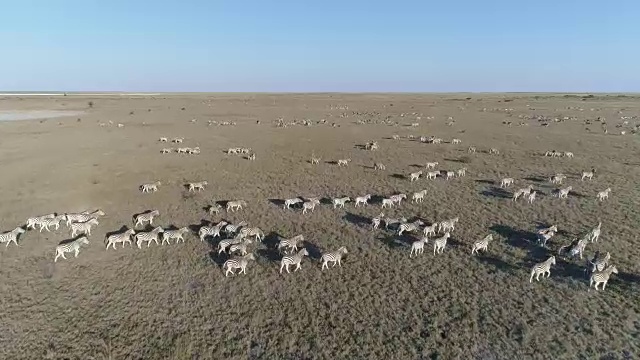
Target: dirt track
<point>174,301</point>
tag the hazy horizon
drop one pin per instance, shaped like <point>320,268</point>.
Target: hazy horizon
<point>337,47</point>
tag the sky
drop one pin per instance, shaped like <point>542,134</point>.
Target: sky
<point>318,46</point>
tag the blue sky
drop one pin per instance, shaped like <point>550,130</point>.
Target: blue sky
<point>282,45</point>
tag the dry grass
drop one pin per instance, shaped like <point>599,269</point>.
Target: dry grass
<point>173,302</point>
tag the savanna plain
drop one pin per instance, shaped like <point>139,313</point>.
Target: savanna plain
<point>174,301</point>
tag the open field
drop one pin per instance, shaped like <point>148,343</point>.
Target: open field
<point>174,302</point>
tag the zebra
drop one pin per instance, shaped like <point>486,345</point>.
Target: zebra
<point>506,182</point>
<point>599,262</point>
<point>431,165</point>
<point>340,202</point>
<point>37,220</point>
<point>177,140</point>
<point>240,247</point>
<point>197,186</point>
<point>472,149</point>
<point>557,178</point>
<point>236,205</point>
<point>293,260</point>
<point>309,205</point>
<point>542,268</point>
<point>334,257</point>
<point>532,197</point>
<point>430,230</point>
<point>362,200</point>
<point>397,199</point>
<point>163,139</point>
<point>214,209</point>
<point>231,229</point>
<point>123,238</point>
<point>315,160</point>
<point>252,231</point>
<point>224,244</point>
<point>387,203</point>
<point>83,227</point>
<point>140,219</point>
<point>177,234</point>
<point>213,231</point>
<point>415,176</point>
<point>82,217</point>
<point>417,247</point>
<point>343,162</point>
<point>449,175</point>
<point>418,196</point>
<point>148,236</point>
<point>588,174</point>
<point>409,227</point>
<point>577,248</point>
<point>375,222</point>
<point>55,221</point>
<point>482,244</point>
<point>595,233</point>
<point>150,187</point>
<point>604,194</point>
<point>494,151</point>
<point>448,225</point>
<point>543,237</point>
<point>602,277</point>
<point>440,243</point>
<point>392,221</point>
<point>166,150</point>
<point>461,172</point>
<point>564,193</point>
<point>73,246</point>
<point>291,243</point>
<point>289,202</point>
<point>9,236</point>
<point>379,166</point>
<point>237,263</point>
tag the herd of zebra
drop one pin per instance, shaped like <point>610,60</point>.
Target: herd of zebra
<point>240,236</point>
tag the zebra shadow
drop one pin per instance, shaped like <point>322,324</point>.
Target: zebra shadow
<point>67,241</point>
<point>461,160</point>
<point>331,162</point>
<point>277,202</point>
<point>522,239</point>
<point>369,167</point>
<point>537,179</point>
<point>483,181</point>
<point>496,192</point>
<point>357,220</point>
<point>391,241</point>
<point>218,259</point>
<point>326,201</point>
<point>577,194</point>
<point>497,263</point>
<point>270,251</point>
<point>195,228</point>
<point>416,165</point>
<point>133,218</point>
<point>314,251</point>
<point>625,281</point>
<point>122,229</point>
<point>570,270</point>
<point>398,176</point>
<point>223,203</point>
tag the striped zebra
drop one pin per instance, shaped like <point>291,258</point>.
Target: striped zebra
<point>9,236</point>
<point>392,221</point>
<point>599,261</point>
<point>293,260</point>
<point>430,230</point>
<point>310,205</point>
<point>542,268</point>
<point>291,243</point>
<point>448,225</point>
<point>418,196</point>
<point>177,234</point>
<point>37,220</point>
<point>417,247</point>
<point>55,221</point>
<point>595,233</point>
<point>253,231</point>
<point>375,222</point>
<point>289,202</point>
<point>340,202</point>
<point>397,199</point>
<point>241,247</point>
<point>576,247</point>
<point>82,217</point>
<point>197,185</point>
<point>235,205</point>
<point>482,244</point>
<point>544,237</point>
<point>123,238</point>
<point>440,243</point>
<point>335,257</point>
<point>73,246</point>
<point>147,217</point>
<point>150,187</point>
<point>602,277</point>
<point>409,227</point>
<point>83,228</point>
<point>237,263</point>
<point>362,200</point>
<point>148,236</point>
<point>215,209</point>
<point>213,231</point>
<point>224,244</point>
<point>232,229</point>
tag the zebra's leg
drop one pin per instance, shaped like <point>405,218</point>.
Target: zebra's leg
<point>56,259</point>
<point>77,252</point>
